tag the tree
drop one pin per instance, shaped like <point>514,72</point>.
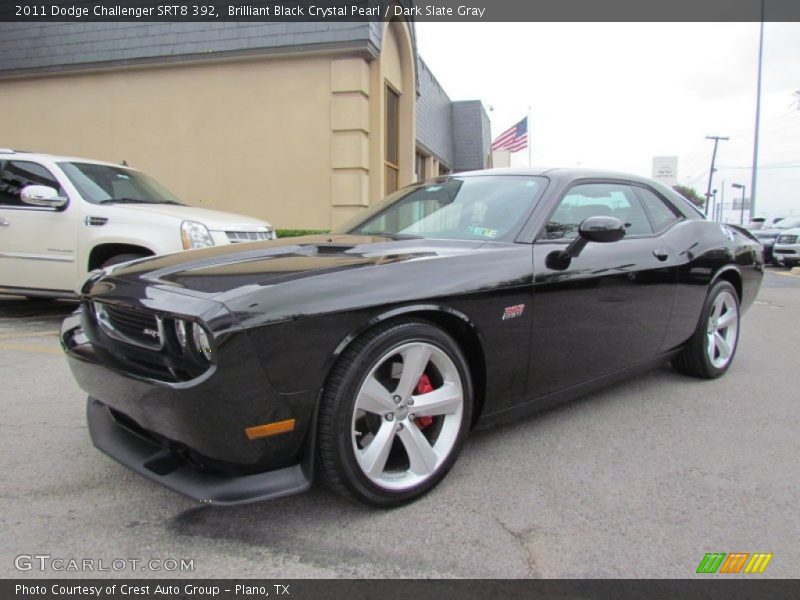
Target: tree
<point>690,194</point>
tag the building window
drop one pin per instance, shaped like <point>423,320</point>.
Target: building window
<point>419,166</point>
<point>391,156</point>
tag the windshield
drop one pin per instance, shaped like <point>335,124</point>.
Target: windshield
<point>105,184</point>
<point>489,207</point>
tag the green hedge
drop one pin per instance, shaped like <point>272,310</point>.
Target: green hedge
<point>285,233</point>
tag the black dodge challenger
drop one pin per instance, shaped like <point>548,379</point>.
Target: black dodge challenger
<point>233,374</point>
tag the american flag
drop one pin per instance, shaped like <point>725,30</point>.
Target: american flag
<point>513,139</point>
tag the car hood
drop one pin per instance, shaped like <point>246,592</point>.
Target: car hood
<point>215,220</point>
<point>224,269</point>
<point>792,231</point>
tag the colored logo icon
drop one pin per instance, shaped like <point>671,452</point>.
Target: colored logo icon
<point>735,562</point>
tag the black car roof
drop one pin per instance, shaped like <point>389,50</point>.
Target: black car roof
<point>560,172</point>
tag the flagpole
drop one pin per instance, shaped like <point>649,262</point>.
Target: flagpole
<point>530,143</point>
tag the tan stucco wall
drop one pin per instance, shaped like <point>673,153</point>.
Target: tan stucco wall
<point>250,137</point>
<point>297,141</point>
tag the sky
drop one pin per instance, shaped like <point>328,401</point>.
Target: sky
<point>614,95</point>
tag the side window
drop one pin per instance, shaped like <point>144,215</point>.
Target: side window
<point>661,215</point>
<point>597,200</point>
<point>16,174</point>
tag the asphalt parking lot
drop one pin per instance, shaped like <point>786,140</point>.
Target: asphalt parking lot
<point>639,480</point>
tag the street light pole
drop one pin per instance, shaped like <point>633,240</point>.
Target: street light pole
<point>739,186</point>
<point>716,139</point>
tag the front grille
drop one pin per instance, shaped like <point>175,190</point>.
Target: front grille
<point>787,239</point>
<point>130,325</point>
<point>236,237</point>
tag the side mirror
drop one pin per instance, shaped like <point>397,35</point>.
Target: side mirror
<point>42,195</point>
<point>601,230</point>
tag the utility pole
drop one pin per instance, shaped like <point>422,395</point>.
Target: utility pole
<point>754,175</point>
<point>716,139</point>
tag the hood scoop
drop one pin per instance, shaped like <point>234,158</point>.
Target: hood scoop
<point>330,249</point>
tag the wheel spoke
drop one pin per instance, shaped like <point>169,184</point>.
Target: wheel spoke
<point>373,457</point>
<point>717,308</point>
<point>711,345</point>
<point>374,398</point>
<point>443,401</point>
<point>415,359</point>
<point>727,319</point>
<point>722,345</point>
<point>421,456</point>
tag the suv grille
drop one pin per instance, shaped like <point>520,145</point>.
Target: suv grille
<point>235,237</point>
<point>787,239</point>
<point>130,325</point>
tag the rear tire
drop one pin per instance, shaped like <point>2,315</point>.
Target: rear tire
<point>394,414</point>
<point>710,351</point>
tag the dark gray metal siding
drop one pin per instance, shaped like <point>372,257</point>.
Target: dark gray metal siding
<point>471,135</point>
<point>434,116</point>
<point>26,47</point>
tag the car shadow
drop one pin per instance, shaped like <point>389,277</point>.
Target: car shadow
<point>325,529</point>
<point>15,307</point>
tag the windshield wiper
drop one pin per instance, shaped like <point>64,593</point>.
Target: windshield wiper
<point>137,201</point>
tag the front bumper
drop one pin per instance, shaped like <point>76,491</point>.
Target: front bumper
<point>787,253</point>
<point>190,435</point>
<point>163,466</point>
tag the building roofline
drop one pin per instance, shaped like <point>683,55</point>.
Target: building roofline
<point>365,48</point>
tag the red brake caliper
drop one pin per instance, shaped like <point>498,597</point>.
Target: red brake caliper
<point>423,387</point>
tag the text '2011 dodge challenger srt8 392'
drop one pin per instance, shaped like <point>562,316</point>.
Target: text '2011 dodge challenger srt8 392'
<point>233,374</point>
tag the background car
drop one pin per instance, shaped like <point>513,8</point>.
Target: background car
<point>787,247</point>
<point>768,237</point>
<point>232,374</point>
<point>62,217</point>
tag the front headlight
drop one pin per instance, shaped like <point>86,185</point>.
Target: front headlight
<point>201,342</point>
<point>195,235</point>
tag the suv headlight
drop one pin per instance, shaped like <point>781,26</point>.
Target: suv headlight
<point>195,235</point>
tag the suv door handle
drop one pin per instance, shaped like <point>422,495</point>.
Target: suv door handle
<point>661,254</point>
<point>4,223</point>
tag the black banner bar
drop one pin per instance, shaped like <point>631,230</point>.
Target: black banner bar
<point>412,589</point>
<point>383,10</point>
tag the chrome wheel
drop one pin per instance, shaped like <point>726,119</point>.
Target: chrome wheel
<point>407,416</point>
<point>722,330</point>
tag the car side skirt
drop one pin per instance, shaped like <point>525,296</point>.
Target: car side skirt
<point>554,399</point>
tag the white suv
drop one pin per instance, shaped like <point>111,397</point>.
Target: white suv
<point>63,217</point>
<point>787,247</point>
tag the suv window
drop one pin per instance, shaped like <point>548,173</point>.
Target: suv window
<point>661,215</point>
<point>17,174</point>
<point>596,200</point>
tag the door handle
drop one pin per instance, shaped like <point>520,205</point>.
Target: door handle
<point>661,254</point>
<point>4,223</point>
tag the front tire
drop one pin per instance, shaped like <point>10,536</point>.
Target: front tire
<point>394,414</point>
<point>121,258</point>
<point>712,348</point>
